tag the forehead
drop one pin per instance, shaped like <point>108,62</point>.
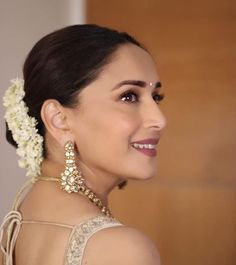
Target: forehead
<point>130,62</point>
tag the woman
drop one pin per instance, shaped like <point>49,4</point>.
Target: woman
<point>86,119</point>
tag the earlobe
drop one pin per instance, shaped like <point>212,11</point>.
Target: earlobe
<point>55,120</point>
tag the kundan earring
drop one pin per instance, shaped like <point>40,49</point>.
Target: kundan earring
<point>71,178</point>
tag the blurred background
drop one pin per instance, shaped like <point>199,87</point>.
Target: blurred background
<point>189,208</point>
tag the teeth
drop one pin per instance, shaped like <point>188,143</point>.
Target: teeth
<point>146,146</point>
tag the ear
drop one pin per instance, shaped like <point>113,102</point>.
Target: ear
<point>54,117</point>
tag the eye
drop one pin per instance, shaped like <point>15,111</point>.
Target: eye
<point>129,96</point>
<point>158,97</point>
<point>133,97</point>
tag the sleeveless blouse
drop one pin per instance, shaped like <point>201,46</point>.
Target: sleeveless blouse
<point>79,235</point>
<point>78,238</point>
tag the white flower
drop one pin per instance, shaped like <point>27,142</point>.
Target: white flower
<point>23,129</point>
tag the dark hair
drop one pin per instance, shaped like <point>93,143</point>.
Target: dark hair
<point>65,61</point>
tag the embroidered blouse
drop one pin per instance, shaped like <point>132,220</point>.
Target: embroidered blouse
<point>78,238</point>
<point>79,235</point>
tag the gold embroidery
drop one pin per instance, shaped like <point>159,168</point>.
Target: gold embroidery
<point>82,233</point>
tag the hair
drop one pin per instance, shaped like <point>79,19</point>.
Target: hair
<point>64,62</point>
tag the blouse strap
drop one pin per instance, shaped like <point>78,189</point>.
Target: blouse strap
<point>18,197</point>
<point>11,223</point>
<point>47,223</point>
<point>10,228</point>
<point>26,185</point>
<point>82,233</point>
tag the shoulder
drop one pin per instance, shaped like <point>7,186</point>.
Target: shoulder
<point>121,245</point>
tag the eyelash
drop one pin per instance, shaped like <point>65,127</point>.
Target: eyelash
<point>160,97</point>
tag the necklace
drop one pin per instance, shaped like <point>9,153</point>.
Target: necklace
<point>85,191</point>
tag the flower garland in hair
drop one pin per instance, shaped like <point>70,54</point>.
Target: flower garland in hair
<point>23,129</point>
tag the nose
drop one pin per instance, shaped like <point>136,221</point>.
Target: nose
<point>153,116</point>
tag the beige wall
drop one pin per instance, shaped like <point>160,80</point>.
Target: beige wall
<point>22,23</point>
<point>189,209</point>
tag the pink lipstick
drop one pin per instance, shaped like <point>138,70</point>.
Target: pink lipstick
<point>146,146</point>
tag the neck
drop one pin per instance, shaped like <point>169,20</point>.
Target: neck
<point>100,183</point>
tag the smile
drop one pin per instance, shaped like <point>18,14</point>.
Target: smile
<point>147,149</point>
<point>146,146</point>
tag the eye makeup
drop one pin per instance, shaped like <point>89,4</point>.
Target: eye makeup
<point>131,93</point>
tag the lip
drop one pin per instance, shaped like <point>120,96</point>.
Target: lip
<point>147,141</point>
<point>148,152</point>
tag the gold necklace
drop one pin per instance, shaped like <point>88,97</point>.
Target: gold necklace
<point>84,190</point>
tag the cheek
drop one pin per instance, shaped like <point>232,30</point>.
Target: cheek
<point>121,126</point>
<point>107,131</point>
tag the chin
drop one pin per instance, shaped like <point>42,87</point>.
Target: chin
<point>144,176</point>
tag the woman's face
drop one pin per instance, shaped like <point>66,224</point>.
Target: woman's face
<point>114,112</point>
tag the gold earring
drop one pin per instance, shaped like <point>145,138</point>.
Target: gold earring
<point>71,178</point>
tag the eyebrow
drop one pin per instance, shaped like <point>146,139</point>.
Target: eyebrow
<point>139,83</point>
